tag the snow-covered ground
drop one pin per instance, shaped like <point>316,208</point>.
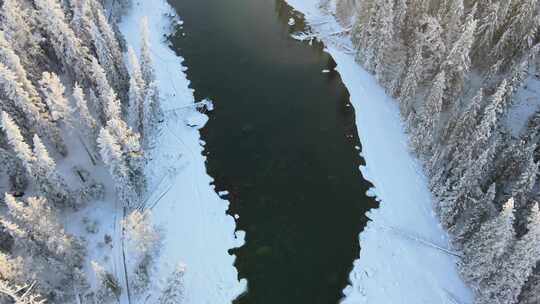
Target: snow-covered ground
<point>197,231</point>
<point>399,261</point>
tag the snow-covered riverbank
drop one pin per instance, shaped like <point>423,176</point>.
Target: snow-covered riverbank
<point>398,262</point>
<point>197,231</point>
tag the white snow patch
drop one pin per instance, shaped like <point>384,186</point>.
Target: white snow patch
<point>197,230</point>
<point>196,120</point>
<point>292,21</point>
<point>398,261</point>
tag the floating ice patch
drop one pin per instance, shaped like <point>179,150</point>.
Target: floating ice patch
<point>209,104</point>
<point>326,71</point>
<point>196,120</point>
<point>292,21</point>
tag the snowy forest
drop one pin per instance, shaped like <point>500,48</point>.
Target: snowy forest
<point>79,108</point>
<point>464,72</point>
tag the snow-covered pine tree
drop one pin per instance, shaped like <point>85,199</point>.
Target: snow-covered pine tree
<point>457,62</point>
<point>17,142</point>
<point>411,82</point>
<point>108,288</point>
<point>151,113</point>
<point>364,33</point>
<point>531,291</point>
<point>110,54</point>
<point>451,13</point>
<point>13,62</point>
<point>53,91</point>
<point>20,99</point>
<point>12,167</point>
<point>137,89</point>
<point>491,116</point>
<point>147,66</point>
<point>67,46</point>
<point>174,293</point>
<point>135,105</point>
<point>434,100</point>
<point>18,24</point>
<point>112,156</point>
<point>10,293</point>
<point>506,283</point>
<point>383,58</point>
<point>26,109</point>
<point>485,248</point>
<point>50,183</point>
<point>86,123</point>
<point>144,239</point>
<point>476,210</point>
<point>136,71</point>
<point>430,40</point>
<point>48,249</point>
<point>81,21</point>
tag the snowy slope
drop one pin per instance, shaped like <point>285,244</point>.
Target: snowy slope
<point>197,230</point>
<point>399,261</point>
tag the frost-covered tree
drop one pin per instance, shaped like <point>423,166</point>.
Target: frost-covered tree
<point>21,100</point>
<point>151,113</point>
<point>487,246</point>
<point>53,90</point>
<point>48,249</point>
<point>457,62</point>
<point>109,51</point>
<point>492,114</point>
<point>145,240</point>
<point>67,46</point>
<point>384,56</point>
<point>410,84</point>
<point>142,235</point>
<point>11,293</point>
<point>18,24</point>
<point>434,100</point>
<point>108,288</point>
<point>13,62</point>
<point>24,105</point>
<point>110,105</point>
<point>135,104</point>
<point>44,162</point>
<point>509,278</point>
<point>84,119</point>
<point>112,155</point>
<point>147,66</point>
<point>137,89</point>
<point>17,142</point>
<point>136,71</point>
<point>174,293</point>
<point>12,167</point>
<point>11,269</point>
<point>50,183</point>
<point>81,21</point>
<point>531,292</point>
<point>430,40</point>
<point>451,12</point>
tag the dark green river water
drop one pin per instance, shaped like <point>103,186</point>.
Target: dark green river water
<point>282,141</point>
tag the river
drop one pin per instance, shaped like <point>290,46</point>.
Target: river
<point>282,141</point>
